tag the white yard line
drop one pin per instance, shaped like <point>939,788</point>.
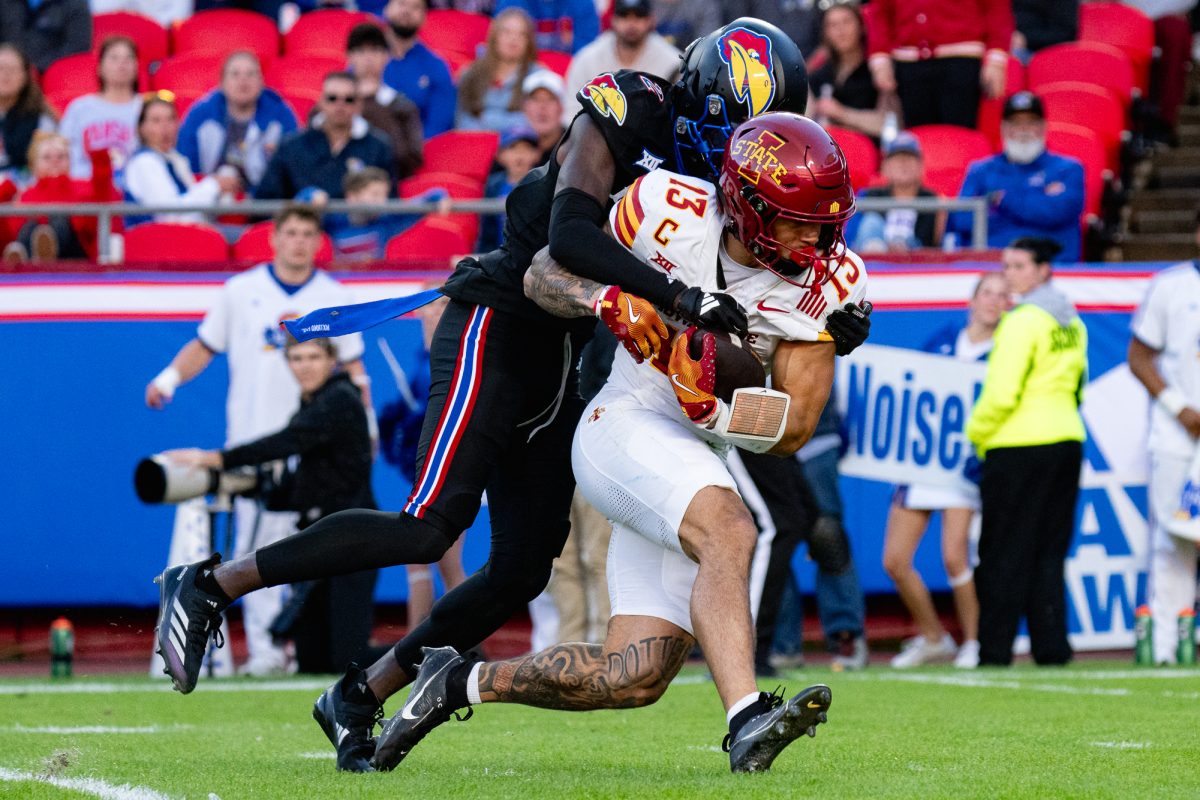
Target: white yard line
<point>92,786</point>
<point>1121,745</point>
<point>63,729</point>
<point>974,682</point>
<point>324,754</point>
<point>113,688</point>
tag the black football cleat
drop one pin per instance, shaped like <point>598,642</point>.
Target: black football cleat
<point>349,725</point>
<point>187,617</point>
<point>427,707</point>
<point>763,737</point>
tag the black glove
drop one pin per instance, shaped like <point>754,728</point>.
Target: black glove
<point>849,326</point>
<point>711,310</point>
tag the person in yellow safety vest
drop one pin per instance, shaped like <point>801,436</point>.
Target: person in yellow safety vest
<point>1027,429</point>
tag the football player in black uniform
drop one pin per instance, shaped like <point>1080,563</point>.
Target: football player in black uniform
<point>503,401</point>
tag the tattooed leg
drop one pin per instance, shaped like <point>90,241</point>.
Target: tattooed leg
<point>633,668</point>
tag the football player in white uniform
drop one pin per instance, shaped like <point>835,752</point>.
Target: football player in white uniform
<point>650,451</point>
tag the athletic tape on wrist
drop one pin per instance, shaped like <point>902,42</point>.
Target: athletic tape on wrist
<point>1171,401</point>
<point>962,579</point>
<point>754,420</point>
<point>167,381</point>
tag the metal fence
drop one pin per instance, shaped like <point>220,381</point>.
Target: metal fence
<point>105,213</point>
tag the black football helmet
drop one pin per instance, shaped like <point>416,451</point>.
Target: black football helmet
<point>741,70</point>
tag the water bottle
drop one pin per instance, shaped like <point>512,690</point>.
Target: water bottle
<point>1186,652</point>
<point>62,647</point>
<point>826,93</point>
<point>1143,635</point>
<point>891,127</point>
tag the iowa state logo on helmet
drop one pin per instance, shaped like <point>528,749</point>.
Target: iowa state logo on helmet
<point>747,56</point>
<point>606,96</point>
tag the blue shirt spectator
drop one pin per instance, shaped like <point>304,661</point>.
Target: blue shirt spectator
<point>563,25</point>
<point>1030,191</point>
<point>517,154</point>
<point>424,77</point>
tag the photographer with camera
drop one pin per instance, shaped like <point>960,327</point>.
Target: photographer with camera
<point>330,435</point>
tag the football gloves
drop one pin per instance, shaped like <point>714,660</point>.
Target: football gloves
<point>694,380</point>
<point>634,321</point>
<point>849,326</point>
<point>711,310</point>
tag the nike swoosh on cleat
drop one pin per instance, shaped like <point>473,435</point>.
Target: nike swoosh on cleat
<point>412,700</point>
<point>811,704</point>
<point>632,317</point>
<point>678,385</point>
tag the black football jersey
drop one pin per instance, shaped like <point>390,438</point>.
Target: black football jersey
<point>631,110</point>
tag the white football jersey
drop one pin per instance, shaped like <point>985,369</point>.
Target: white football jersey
<point>244,325</point>
<point>674,223</point>
<point>1169,321</point>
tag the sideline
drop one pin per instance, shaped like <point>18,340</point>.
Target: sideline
<point>93,786</point>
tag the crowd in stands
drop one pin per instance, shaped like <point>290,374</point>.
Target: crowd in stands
<point>1036,106</point>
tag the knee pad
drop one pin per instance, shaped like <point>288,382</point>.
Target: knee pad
<point>829,546</point>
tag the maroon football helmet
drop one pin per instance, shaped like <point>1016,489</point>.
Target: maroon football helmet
<point>785,166</point>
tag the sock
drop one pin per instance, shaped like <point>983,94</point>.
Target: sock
<point>746,709</point>
<point>355,688</point>
<point>473,685</point>
<point>206,581</point>
<point>456,685</point>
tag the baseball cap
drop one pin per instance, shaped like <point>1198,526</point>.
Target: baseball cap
<point>544,79</point>
<point>640,7</point>
<point>518,133</point>
<point>1024,103</point>
<point>904,142</point>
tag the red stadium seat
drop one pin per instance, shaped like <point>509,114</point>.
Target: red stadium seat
<point>254,245</point>
<point>861,155</point>
<point>459,187</point>
<point>72,76</point>
<point>948,150</point>
<point>1091,107</point>
<point>455,31</point>
<point>324,32</point>
<point>184,101</point>
<point>432,241</point>
<point>176,243</point>
<point>302,102</point>
<point>1087,62</point>
<point>556,61</point>
<point>1084,146</point>
<point>468,153</point>
<point>152,40</point>
<point>190,73</point>
<point>991,109</point>
<point>1124,27</point>
<point>223,31</point>
<point>302,73</point>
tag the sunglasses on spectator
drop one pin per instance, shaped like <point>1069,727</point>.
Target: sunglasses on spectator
<point>348,99</point>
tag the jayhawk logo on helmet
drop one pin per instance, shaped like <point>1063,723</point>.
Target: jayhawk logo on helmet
<point>606,96</point>
<point>747,55</point>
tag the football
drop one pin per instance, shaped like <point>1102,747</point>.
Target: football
<point>737,365</point>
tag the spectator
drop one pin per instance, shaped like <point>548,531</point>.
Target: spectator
<point>938,54</point>
<point>1040,25</point>
<point>914,506</point>
<point>158,174</point>
<point>1030,191</point>
<point>316,160</point>
<point>106,120</point>
<point>47,30</point>
<point>417,72</point>
<point>363,236</point>
<point>239,124</point>
<point>382,106</point>
<point>543,107</point>
<point>23,109</point>
<point>799,19</point>
<point>898,229</point>
<point>682,22</point>
<point>563,25</point>
<point>517,154</point>
<point>1164,354</point>
<point>1170,68</point>
<point>631,44</point>
<point>48,239</point>
<point>842,92</point>
<point>1027,430</point>
<point>490,90</point>
<point>329,619</point>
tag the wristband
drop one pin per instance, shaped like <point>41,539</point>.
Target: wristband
<point>1171,401</point>
<point>754,420</point>
<point>362,380</point>
<point>598,306</point>
<point>167,381</point>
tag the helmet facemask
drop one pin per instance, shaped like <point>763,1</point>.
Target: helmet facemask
<point>700,141</point>
<point>809,267</point>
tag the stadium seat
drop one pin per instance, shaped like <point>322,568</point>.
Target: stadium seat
<point>991,108</point>
<point>1091,107</point>
<point>184,101</point>
<point>254,245</point>
<point>948,151</point>
<point>468,153</point>
<point>175,243</point>
<point>459,187</point>
<point>75,75</point>
<point>303,73</point>
<point>190,73</point>
<point>1124,27</point>
<point>431,242</point>
<point>302,102</point>
<point>1083,145</point>
<point>1088,62</point>
<point>152,40</point>
<point>223,31</point>
<point>861,155</point>
<point>461,32</point>
<point>555,61</point>
<point>323,32</point>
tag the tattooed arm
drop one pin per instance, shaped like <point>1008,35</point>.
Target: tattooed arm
<point>559,292</point>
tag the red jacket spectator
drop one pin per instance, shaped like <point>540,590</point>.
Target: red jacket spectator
<point>911,30</point>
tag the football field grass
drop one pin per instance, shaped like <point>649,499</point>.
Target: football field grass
<point>1102,730</point>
